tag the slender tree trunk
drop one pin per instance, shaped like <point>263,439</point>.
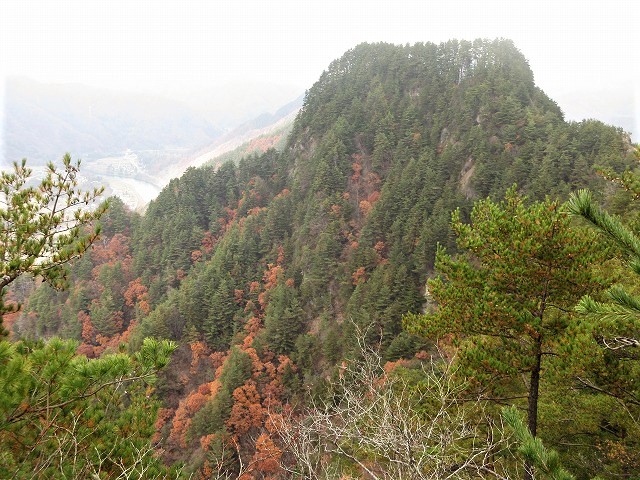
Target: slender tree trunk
<point>534,389</point>
<point>534,392</point>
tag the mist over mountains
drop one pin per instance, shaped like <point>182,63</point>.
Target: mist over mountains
<point>617,105</point>
<point>133,143</point>
<point>43,120</point>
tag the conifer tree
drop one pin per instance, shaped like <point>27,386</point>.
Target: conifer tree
<point>620,316</point>
<point>504,301</point>
<point>545,461</point>
<point>45,226</point>
<point>605,361</point>
<point>283,319</point>
<point>218,326</point>
<point>64,416</point>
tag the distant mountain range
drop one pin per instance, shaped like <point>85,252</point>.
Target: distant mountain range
<point>44,121</point>
<point>254,136</point>
<point>133,144</point>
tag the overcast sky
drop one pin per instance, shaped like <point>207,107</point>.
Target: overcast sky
<point>161,46</point>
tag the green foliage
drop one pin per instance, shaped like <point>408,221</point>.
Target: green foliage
<point>283,319</point>
<point>616,321</point>
<point>306,352</point>
<point>504,301</point>
<point>212,416</point>
<point>404,345</point>
<point>236,370</point>
<point>62,414</point>
<point>165,321</point>
<point>603,348</point>
<point>42,313</point>
<point>43,227</point>
<point>118,218</point>
<point>545,462</point>
<point>218,326</point>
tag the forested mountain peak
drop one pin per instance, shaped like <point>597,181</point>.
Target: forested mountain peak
<point>265,270</point>
<point>443,95</point>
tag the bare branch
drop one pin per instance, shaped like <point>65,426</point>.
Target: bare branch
<point>391,428</point>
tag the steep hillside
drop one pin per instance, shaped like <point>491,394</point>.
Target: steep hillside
<point>268,130</point>
<point>263,270</point>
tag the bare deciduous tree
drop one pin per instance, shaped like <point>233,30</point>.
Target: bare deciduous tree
<point>390,427</point>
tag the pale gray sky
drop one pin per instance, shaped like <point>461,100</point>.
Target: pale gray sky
<point>160,46</point>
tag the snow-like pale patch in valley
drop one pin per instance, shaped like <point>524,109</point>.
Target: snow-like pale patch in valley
<point>134,193</point>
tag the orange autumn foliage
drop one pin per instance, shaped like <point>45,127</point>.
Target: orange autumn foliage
<point>88,332</point>
<point>271,276</point>
<point>110,252</point>
<point>357,168</point>
<point>262,144</point>
<point>205,441</point>
<point>283,193</point>
<point>8,319</point>
<point>252,327</point>
<point>231,216</point>
<point>255,211</point>
<point>164,414</point>
<point>365,207</point>
<point>217,359</point>
<point>208,242</point>
<point>266,458</point>
<point>247,411</point>
<point>359,276</point>
<point>238,296</point>
<point>138,293</point>
<point>199,350</point>
<point>196,256</point>
<point>187,408</point>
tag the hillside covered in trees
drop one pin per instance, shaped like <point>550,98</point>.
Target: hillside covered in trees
<point>295,283</point>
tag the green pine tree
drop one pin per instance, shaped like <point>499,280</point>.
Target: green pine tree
<point>283,319</point>
<point>64,416</point>
<point>504,301</point>
<point>43,227</point>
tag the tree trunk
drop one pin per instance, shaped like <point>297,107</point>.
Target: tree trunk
<point>534,391</point>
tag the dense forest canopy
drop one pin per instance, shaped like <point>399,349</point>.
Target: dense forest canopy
<point>281,275</point>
